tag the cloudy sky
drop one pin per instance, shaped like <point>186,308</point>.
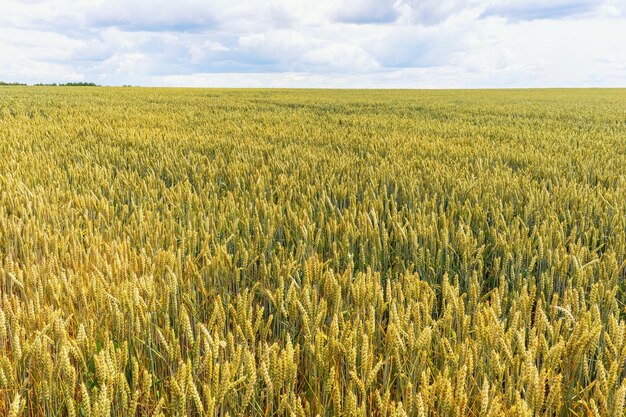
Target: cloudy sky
<point>316,43</point>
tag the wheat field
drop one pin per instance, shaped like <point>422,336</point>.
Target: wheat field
<point>179,252</point>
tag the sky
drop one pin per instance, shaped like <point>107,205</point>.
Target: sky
<point>316,43</point>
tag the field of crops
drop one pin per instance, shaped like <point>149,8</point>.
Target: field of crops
<point>302,253</point>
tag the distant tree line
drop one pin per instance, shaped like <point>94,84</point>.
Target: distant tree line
<point>67,85</point>
<point>55,84</point>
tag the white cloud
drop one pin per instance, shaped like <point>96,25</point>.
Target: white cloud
<point>154,15</point>
<point>365,11</point>
<point>127,63</point>
<point>433,12</point>
<point>517,10</point>
<point>203,51</point>
<point>368,43</point>
<point>340,56</point>
<point>34,56</point>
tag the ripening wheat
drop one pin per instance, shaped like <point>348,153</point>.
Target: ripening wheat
<point>305,253</point>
